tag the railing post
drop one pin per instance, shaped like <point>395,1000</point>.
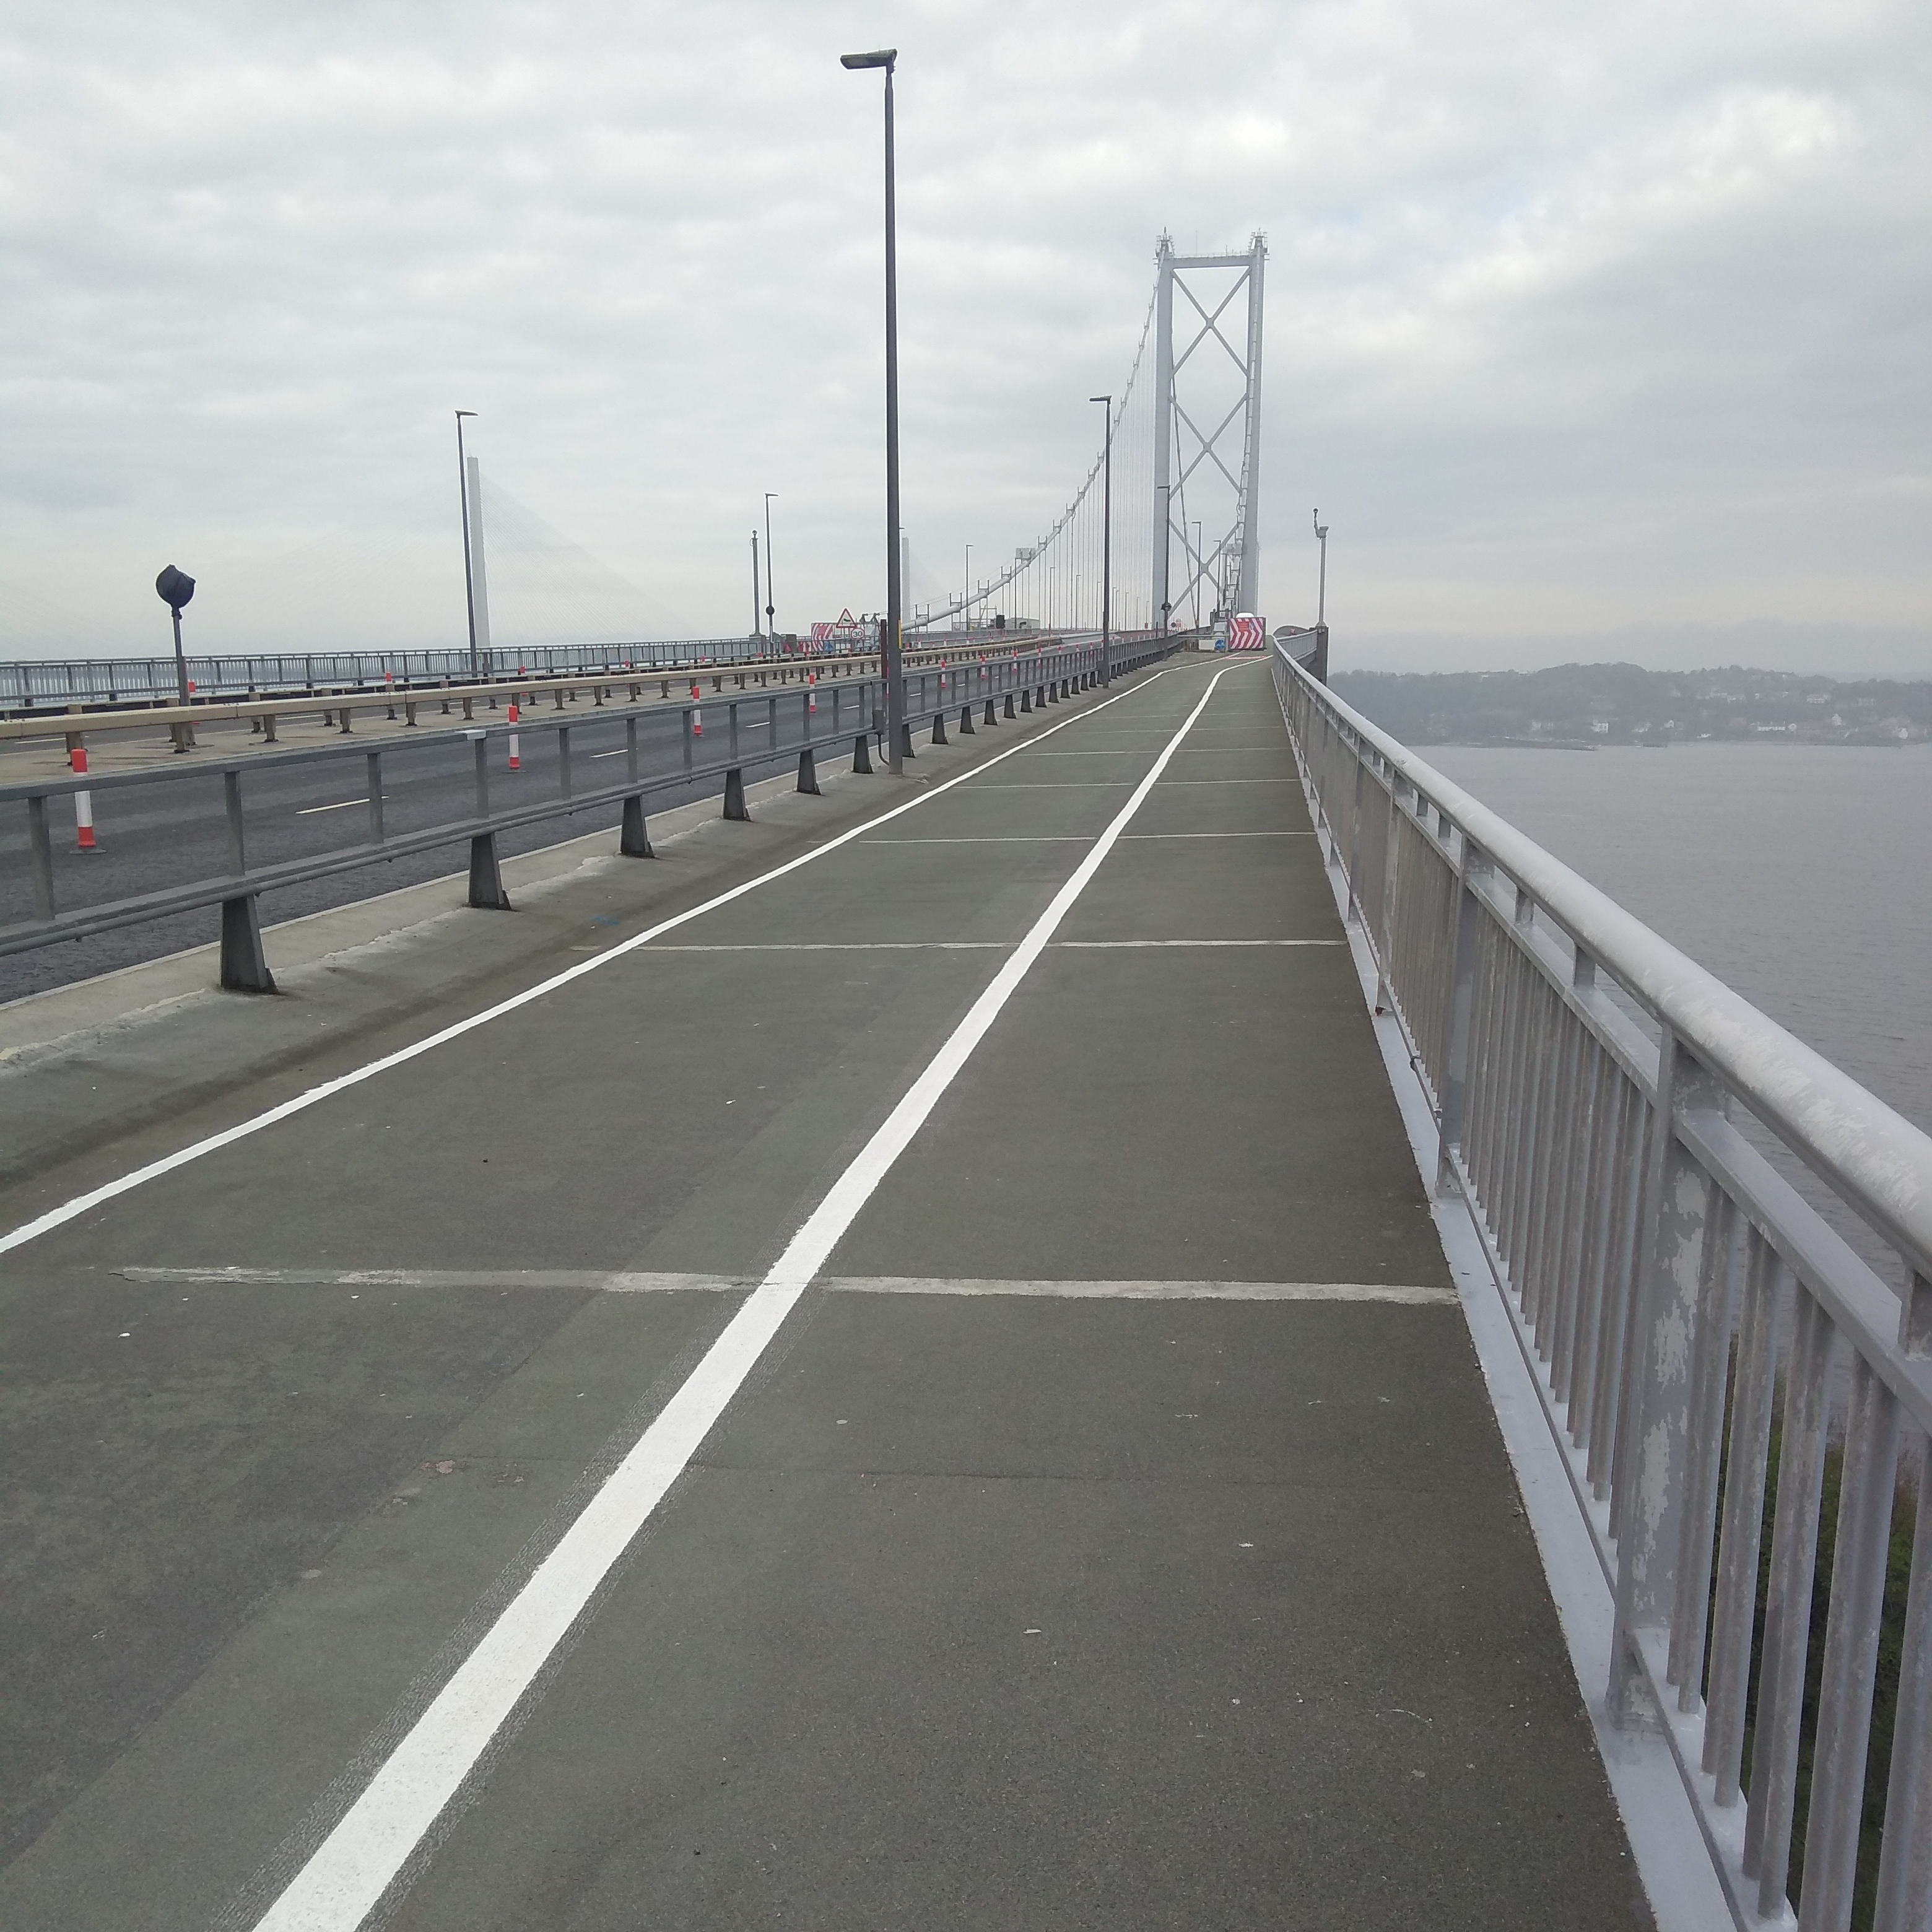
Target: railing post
<point>43,856</point>
<point>563,760</point>
<point>244,969</point>
<point>375,763</point>
<point>486,877</point>
<point>1452,1083</point>
<point>1385,942</point>
<point>1653,1438</point>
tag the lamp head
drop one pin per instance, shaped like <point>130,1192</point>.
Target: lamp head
<point>884,57</point>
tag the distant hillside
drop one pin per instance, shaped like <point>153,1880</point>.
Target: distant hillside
<point>1620,704</point>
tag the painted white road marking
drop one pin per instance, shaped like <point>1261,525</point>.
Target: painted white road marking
<point>82,1203</point>
<point>349,1871</point>
<point>310,811</point>
<point>625,1281</point>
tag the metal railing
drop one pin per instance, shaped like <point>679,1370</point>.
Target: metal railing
<point>58,683</point>
<point>1707,1347</point>
<point>841,712</point>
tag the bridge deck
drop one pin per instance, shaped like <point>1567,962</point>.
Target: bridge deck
<point>1116,1533</point>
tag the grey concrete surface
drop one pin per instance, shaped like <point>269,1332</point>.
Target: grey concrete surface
<point>975,1609</point>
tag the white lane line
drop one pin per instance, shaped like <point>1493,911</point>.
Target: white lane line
<point>353,1866</point>
<point>1172,782</point>
<point>1411,1293</point>
<point>850,945</point>
<point>310,811</point>
<point>82,1203</point>
<point>1128,837</point>
<point>1010,838</point>
<point>1103,945</point>
<point>627,1281</point>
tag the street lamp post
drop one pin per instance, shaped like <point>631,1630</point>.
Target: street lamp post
<point>1107,544</point>
<point>886,57</point>
<point>1321,588</point>
<point>756,619</point>
<point>771,620</point>
<point>966,593</point>
<point>469,569</point>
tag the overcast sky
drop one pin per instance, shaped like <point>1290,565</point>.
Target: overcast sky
<point>1587,325</point>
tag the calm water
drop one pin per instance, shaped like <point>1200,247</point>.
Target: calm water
<point>1802,875</point>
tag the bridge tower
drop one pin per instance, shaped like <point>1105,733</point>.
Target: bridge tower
<point>1195,439</point>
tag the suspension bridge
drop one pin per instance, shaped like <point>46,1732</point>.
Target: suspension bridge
<point>1154,1320</point>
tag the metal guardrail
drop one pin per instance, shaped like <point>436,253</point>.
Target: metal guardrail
<point>1683,1308</point>
<point>265,708</point>
<point>854,706</point>
<point>32,688</point>
<point>61,682</point>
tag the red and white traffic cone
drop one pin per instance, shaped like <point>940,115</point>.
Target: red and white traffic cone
<point>811,679</point>
<point>83,801</point>
<point>516,763</point>
<point>697,716</point>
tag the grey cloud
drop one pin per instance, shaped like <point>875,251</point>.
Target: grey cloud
<point>1580,319</point>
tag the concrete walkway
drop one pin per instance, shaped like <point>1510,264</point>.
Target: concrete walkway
<point>1114,1533</point>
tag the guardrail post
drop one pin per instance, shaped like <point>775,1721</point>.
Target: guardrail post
<point>486,878</point>
<point>42,852</point>
<point>687,741</point>
<point>905,738</point>
<point>244,967</point>
<point>1009,704</point>
<point>733,747</point>
<point>563,760</point>
<point>634,841</point>
<point>231,796</point>
<point>989,719</point>
<point>734,791</point>
<point>1026,698</point>
<point>939,737</point>
<point>807,772</point>
<point>966,721</point>
<point>1653,1434</point>
<point>862,756</point>
<point>375,763</point>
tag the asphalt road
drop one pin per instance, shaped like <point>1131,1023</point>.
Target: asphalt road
<point>1114,1532</point>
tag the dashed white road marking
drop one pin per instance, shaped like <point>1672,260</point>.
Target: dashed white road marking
<point>343,1880</point>
<point>623,1281</point>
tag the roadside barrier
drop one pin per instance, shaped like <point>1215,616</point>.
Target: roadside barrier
<point>753,742</point>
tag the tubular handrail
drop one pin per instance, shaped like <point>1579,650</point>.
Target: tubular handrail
<point>1844,1131</point>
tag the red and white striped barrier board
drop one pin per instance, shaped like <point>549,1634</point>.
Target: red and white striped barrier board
<point>1246,633</point>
